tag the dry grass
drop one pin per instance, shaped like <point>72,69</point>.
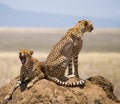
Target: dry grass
<point>42,40</point>
<point>90,64</point>
<point>102,47</point>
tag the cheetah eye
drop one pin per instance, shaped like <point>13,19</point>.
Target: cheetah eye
<point>22,54</point>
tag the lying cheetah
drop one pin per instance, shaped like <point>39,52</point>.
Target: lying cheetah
<point>34,70</point>
<point>68,48</point>
<point>30,69</point>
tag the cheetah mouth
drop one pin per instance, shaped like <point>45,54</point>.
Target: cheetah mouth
<point>23,59</point>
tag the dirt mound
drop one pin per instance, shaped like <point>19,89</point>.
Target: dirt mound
<point>96,91</point>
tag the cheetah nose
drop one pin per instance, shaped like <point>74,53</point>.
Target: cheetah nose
<point>91,29</point>
<point>22,54</point>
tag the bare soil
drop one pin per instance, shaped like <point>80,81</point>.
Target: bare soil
<point>97,90</point>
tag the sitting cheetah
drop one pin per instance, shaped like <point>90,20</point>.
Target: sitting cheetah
<point>68,48</point>
<point>34,70</point>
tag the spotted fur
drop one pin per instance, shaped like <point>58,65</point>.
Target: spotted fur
<point>67,49</point>
<point>31,69</point>
<point>34,70</point>
<point>61,56</point>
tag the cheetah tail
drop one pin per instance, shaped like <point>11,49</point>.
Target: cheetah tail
<point>80,83</point>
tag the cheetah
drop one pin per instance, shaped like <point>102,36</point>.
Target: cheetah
<point>67,49</point>
<point>29,71</point>
<point>34,70</point>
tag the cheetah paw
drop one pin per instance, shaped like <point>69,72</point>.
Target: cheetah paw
<point>70,76</point>
<point>29,85</point>
<point>7,98</point>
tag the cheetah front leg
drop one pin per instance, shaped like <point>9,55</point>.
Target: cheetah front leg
<point>32,82</point>
<point>76,51</point>
<point>70,67</point>
<point>75,61</point>
<point>15,86</point>
<point>66,51</point>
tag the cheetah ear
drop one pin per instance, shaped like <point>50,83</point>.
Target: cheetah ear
<point>86,23</point>
<point>31,52</point>
<point>79,21</point>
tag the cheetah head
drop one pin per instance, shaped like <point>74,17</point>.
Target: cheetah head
<point>25,55</point>
<point>85,26</point>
